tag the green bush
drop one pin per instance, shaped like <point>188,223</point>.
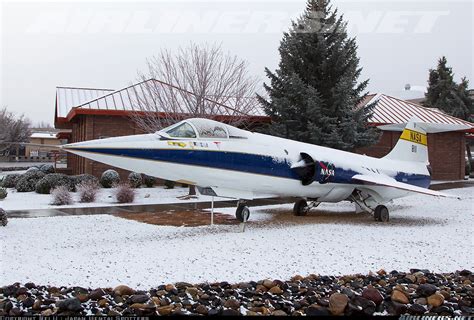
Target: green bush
<point>54,180</point>
<point>149,181</point>
<point>28,180</point>
<point>3,193</point>
<point>135,179</point>
<point>10,180</point>
<point>169,184</point>
<point>109,179</point>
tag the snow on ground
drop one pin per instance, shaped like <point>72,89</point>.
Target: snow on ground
<point>102,250</point>
<point>105,198</point>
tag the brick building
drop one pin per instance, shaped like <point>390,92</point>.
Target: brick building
<point>100,113</point>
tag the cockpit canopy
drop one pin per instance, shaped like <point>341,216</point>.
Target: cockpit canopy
<point>202,128</point>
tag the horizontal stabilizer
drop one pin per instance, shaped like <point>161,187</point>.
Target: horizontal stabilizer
<point>386,181</point>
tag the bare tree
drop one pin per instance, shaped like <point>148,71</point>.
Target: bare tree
<point>197,81</point>
<point>13,130</point>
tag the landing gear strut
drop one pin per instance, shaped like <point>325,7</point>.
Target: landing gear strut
<point>301,207</point>
<point>242,213</point>
<point>381,214</point>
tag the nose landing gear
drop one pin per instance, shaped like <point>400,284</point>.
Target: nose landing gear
<point>242,213</point>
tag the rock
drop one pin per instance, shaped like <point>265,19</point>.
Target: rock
<point>232,304</point>
<point>165,310</point>
<point>435,300</point>
<point>182,285</point>
<point>465,273</point>
<point>169,287</point>
<point>399,296</point>
<point>138,298</point>
<point>315,310</point>
<point>421,301</point>
<point>411,278</point>
<point>261,288</point>
<point>279,313</point>
<point>193,291</point>
<point>230,312</point>
<point>47,313</point>
<point>426,290</point>
<point>83,297</point>
<point>268,284</point>
<point>396,308</point>
<point>30,285</point>
<point>37,304</point>
<point>201,309</point>
<point>97,294</point>
<point>15,312</point>
<point>381,272</point>
<point>72,304</point>
<point>28,302</point>
<point>416,309</point>
<point>123,290</point>
<point>337,303</point>
<point>102,303</point>
<point>445,294</point>
<point>276,290</point>
<point>373,295</point>
<point>297,278</point>
<point>368,306</point>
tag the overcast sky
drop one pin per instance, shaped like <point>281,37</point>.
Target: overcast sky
<point>104,44</point>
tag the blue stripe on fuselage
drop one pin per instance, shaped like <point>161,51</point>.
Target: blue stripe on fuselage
<point>243,162</point>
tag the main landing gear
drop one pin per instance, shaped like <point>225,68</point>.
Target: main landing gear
<point>301,207</point>
<point>380,212</point>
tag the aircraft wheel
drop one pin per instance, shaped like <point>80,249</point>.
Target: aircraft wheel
<point>242,213</point>
<point>381,214</point>
<point>300,208</point>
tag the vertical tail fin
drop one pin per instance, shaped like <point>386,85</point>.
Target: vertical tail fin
<point>412,145</point>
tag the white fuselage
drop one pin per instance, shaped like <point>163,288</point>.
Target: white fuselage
<point>234,165</point>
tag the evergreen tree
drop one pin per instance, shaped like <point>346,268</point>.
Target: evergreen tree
<point>314,94</point>
<point>445,94</point>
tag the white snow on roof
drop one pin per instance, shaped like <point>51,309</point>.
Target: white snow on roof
<point>43,135</point>
<point>391,110</point>
<point>68,97</point>
<point>152,95</point>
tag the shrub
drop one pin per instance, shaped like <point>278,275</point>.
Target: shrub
<point>124,194</point>
<point>10,180</point>
<point>53,180</point>
<point>28,180</point>
<point>61,196</point>
<point>79,179</point>
<point>110,178</point>
<point>88,191</point>
<point>149,181</point>
<point>47,168</point>
<point>31,169</point>
<point>169,184</point>
<point>3,217</point>
<point>3,193</point>
<point>135,180</point>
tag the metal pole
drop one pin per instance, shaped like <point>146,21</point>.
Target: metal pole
<point>212,211</point>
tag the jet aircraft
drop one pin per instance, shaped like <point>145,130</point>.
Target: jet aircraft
<point>225,161</point>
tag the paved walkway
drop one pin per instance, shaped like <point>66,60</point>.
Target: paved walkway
<point>36,213</point>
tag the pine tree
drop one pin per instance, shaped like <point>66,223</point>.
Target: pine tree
<point>445,94</point>
<point>314,93</point>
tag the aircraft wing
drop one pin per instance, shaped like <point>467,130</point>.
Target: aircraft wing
<point>381,180</point>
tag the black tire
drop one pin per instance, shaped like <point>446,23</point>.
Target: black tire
<point>381,214</point>
<point>242,213</point>
<point>300,208</point>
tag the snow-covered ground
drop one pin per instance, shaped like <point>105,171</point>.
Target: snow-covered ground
<point>102,250</point>
<point>157,195</point>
